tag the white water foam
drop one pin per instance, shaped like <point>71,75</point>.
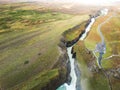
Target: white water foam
<point>87,29</point>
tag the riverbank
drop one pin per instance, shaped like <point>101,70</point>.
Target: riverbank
<point>109,63</point>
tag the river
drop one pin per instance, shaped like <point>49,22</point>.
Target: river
<point>73,84</point>
<point>101,47</point>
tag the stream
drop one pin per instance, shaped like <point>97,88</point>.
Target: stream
<point>101,47</point>
<point>73,73</point>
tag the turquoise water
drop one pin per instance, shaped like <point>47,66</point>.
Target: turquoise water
<point>63,87</point>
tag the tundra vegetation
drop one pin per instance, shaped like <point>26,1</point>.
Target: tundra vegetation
<point>112,38</point>
<point>111,59</point>
<point>29,38</point>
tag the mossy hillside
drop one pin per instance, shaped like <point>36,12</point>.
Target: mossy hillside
<point>75,32</point>
<point>18,19</point>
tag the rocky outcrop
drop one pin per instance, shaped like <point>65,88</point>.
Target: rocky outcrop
<point>114,73</point>
<point>70,43</point>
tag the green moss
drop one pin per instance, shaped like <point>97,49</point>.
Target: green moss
<point>107,64</point>
<point>38,81</point>
<point>99,82</point>
<point>74,33</point>
<point>29,17</point>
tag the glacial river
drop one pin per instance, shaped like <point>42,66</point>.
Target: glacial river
<point>73,83</point>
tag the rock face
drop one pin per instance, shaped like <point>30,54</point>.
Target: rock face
<point>63,65</point>
<point>114,73</point>
<point>72,42</point>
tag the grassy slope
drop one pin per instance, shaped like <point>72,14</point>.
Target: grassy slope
<point>93,35</point>
<point>38,81</point>
<point>113,38</point>
<point>89,80</point>
<point>31,38</point>
<point>71,35</point>
<point>111,33</point>
<point>113,43</point>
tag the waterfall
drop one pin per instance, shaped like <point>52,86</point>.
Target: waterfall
<point>73,75</point>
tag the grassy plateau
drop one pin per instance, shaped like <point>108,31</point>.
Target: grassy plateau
<point>29,38</point>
